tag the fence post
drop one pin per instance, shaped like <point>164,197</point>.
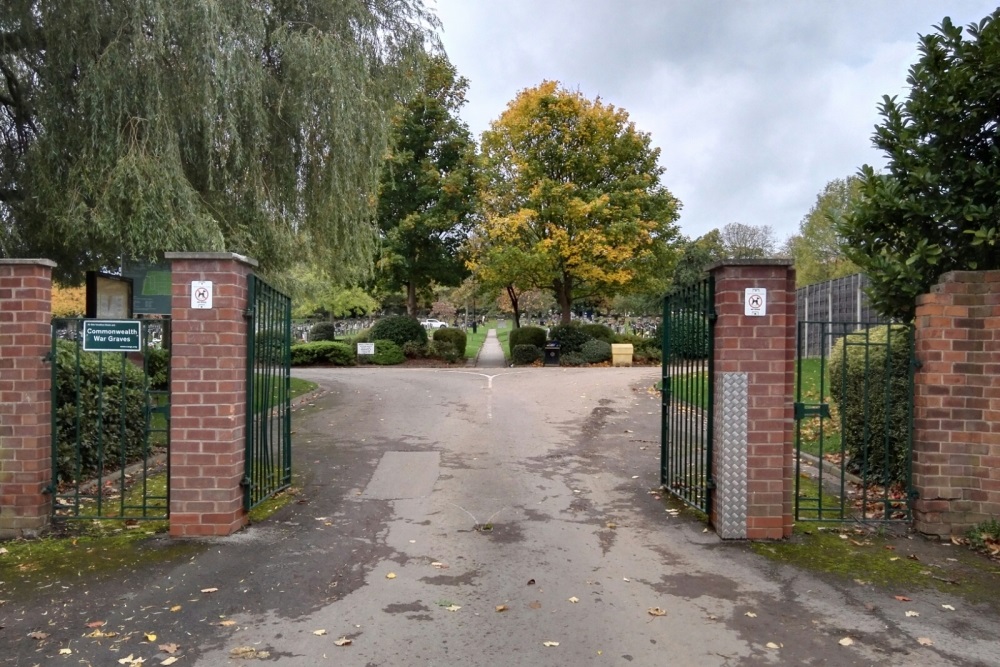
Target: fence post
<point>754,383</point>
<point>208,392</point>
<point>25,395</point>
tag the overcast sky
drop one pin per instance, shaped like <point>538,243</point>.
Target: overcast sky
<point>755,104</point>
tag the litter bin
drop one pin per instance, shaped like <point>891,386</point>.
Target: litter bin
<point>552,353</point>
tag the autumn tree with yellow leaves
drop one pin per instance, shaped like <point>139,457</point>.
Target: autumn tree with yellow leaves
<point>573,199</point>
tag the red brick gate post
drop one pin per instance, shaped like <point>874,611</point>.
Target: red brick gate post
<point>208,392</point>
<point>25,395</point>
<point>753,445</point>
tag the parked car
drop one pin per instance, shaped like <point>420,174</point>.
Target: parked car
<point>433,324</point>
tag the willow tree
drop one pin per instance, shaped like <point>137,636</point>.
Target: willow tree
<point>575,188</point>
<point>131,127</point>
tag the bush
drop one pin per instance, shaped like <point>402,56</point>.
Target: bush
<point>648,353</point>
<point>572,359</point>
<point>454,336</point>
<point>414,350</point>
<point>445,350</point>
<point>323,331</point>
<point>534,336</point>
<point>570,336</point>
<point>158,368</point>
<point>400,329</point>
<point>864,406</point>
<point>689,336</point>
<point>599,332</point>
<point>388,353</point>
<point>596,351</point>
<point>323,352</point>
<point>524,354</point>
<point>106,401</point>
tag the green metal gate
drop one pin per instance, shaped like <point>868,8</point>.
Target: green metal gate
<point>854,422</point>
<point>110,419</point>
<point>687,391</point>
<point>269,412</point>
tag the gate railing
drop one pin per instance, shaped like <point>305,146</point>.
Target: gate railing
<point>110,426</point>
<point>854,422</point>
<point>269,413</point>
<point>687,394</point>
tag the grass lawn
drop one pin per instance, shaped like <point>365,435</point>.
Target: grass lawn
<point>474,341</point>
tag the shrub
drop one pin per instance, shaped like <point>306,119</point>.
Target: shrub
<point>454,336</point>
<point>106,401</point>
<point>445,350</point>
<point>865,406</point>
<point>596,351</point>
<point>323,331</point>
<point>399,329</point>
<point>414,350</point>
<point>534,336</point>
<point>648,353</point>
<point>387,352</point>
<point>158,367</point>
<point>524,354</point>
<point>689,337</point>
<point>323,352</point>
<point>570,336</point>
<point>599,332</point>
<point>572,359</point>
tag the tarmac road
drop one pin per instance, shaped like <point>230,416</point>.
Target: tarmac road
<point>531,489</point>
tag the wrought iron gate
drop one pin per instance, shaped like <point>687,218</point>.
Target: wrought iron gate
<point>110,422</point>
<point>687,393</point>
<point>269,413</point>
<point>854,422</point>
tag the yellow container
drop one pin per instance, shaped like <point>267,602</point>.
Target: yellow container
<point>621,354</point>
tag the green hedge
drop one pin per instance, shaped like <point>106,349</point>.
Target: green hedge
<point>572,359</point>
<point>689,337</point>
<point>450,335</point>
<point>388,353</point>
<point>571,337</point>
<point>886,421</point>
<point>534,336</point>
<point>445,350</point>
<point>323,352</point>
<point>400,329</point>
<point>596,351</point>
<point>323,331</point>
<point>525,354</point>
<point>599,332</point>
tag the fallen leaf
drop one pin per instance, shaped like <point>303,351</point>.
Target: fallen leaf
<point>453,607</point>
<point>550,643</point>
<point>249,653</point>
<point>531,582</point>
<point>65,651</point>
<point>38,635</point>
<point>227,623</point>
<point>176,607</point>
<point>3,551</point>
<point>209,590</point>
<point>343,641</point>
<point>440,566</point>
<point>894,559</point>
<point>948,607</point>
<point>150,637</point>
<point>750,614</point>
<point>96,624</point>
<point>902,598</point>
<point>913,557</point>
<point>169,648</point>
<point>501,607</point>
<point>574,599</point>
<point>656,611</point>
<point>772,645</point>
<point>169,661</point>
<point>535,605</point>
<point>912,613</point>
<point>626,579</point>
<point>925,641</point>
<point>100,634</point>
<point>846,641</point>
<point>391,575</point>
<point>319,633</point>
<point>611,524</point>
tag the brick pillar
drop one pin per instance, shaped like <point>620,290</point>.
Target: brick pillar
<point>25,395</point>
<point>754,380</point>
<point>956,427</point>
<point>208,394</point>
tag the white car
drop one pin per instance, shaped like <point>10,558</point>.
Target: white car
<point>433,324</point>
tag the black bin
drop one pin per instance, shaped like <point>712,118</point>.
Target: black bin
<point>552,353</point>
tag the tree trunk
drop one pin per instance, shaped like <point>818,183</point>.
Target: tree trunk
<point>512,294</point>
<point>411,299</point>
<point>564,290</point>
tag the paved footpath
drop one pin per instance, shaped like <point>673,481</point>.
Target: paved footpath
<point>481,517</point>
<point>491,355</point>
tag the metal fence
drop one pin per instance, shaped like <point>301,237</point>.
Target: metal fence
<point>838,300</point>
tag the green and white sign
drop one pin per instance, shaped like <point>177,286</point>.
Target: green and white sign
<point>112,336</point>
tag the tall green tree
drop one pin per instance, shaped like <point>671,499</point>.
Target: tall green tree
<point>131,127</point>
<point>572,184</point>
<point>695,257</point>
<point>818,247</point>
<point>936,205</point>
<point>742,241</point>
<point>428,193</point>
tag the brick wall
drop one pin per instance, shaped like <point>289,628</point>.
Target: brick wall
<point>762,348</point>
<point>956,439</point>
<point>208,395</point>
<point>25,395</point>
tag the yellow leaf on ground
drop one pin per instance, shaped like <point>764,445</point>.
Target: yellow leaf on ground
<point>453,607</point>
<point>925,641</point>
<point>150,637</point>
<point>656,611</point>
<point>750,614</point>
<point>391,575</point>
<point>501,607</point>
<point>65,651</point>
<point>772,645</point>
<point>550,644</point>
<point>343,641</point>
<point>169,661</point>
<point>319,633</point>
<point>176,607</point>
<point>846,641</point>
<point>574,599</point>
<point>209,590</point>
<point>227,623</point>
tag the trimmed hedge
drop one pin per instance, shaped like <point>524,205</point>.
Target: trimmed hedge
<point>414,350</point>
<point>599,332</point>
<point>572,359</point>
<point>323,352</point>
<point>158,368</point>
<point>869,412</point>
<point>387,353</point>
<point>689,337</point>
<point>596,351</point>
<point>400,329</point>
<point>323,331</point>
<point>534,336</point>
<point>571,337</point>
<point>451,335</point>
<point>445,350</point>
<point>524,354</point>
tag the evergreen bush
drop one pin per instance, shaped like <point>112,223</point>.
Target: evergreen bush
<point>528,335</point>
<point>570,336</point>
<point>399,329</point>
<point>599,332</point>
<point>388,353</point>
<point>689,337</point>
<point>524,354</point>
<point>450,335</point>
<point>596,351</point>
<point>871,386</point>
<point>323,352</point>
<point>158,368</point>
<point>323,331</point>
<point>444,350</point>
<point>414,350</point>
<point>572,359</point>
